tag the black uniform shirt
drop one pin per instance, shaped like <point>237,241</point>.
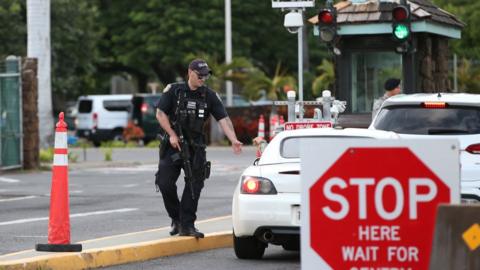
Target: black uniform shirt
<point>168,101</point>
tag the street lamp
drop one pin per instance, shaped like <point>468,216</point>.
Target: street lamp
<point>293,22</point>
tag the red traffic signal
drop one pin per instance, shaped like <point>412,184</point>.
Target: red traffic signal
<point>400,13</point>
<point>325,17</point>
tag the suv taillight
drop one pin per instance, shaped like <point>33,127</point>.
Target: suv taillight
<point>473,149</point>
<point>144,107</point>
<point>95,120</point>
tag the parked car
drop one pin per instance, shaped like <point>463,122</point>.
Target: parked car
<point>71,114</point>
<point>267,195</point>
<point>102,117</point>
<point>450,115</point>
<point>143,114</point>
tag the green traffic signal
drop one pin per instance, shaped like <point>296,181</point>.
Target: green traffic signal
<point>401,31</point>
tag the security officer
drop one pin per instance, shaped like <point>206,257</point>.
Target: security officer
<point>195,102</point>
<point>392,88</point>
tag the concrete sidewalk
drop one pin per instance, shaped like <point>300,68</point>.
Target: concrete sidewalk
<point>125,248</point>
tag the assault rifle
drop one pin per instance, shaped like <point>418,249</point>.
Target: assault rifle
<point>185,155</point>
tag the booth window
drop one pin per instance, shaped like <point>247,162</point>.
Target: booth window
<point>369,72</point>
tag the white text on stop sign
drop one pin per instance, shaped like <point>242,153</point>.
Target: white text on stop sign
<point>363,184</point>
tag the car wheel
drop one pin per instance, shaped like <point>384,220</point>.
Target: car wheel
<point>292,246</point>
<point>248,247</point>
<point>117,135</point>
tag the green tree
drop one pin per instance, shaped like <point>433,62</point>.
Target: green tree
<point>274,86</point>
<point>325,79</point>
<point>153,40</point>
<point>467,12</point>
<point>75,36</point>
<point>73,41</point>
<point>12,28</point>
<point>468,77</point>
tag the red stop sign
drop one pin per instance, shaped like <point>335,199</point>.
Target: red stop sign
<point>375,207</point>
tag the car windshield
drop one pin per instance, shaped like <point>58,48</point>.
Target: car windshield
<point>452,120</point>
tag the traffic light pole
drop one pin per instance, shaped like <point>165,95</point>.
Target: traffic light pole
<point>300,70</point>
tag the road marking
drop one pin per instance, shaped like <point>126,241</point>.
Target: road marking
<point>8,180</point>
<point>17,198</point>
<point>130,185</point>
<point>30,236</point>
<point>28,220</point>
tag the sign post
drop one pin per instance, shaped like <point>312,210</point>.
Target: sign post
<point>371,204</point>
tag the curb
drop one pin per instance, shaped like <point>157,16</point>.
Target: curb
<point>122,254</point>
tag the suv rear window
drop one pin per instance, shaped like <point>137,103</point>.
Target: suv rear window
<point>85,106</point>
<point>117,105</point>
<point>452,120</point>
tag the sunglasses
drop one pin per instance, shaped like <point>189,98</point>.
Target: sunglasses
<point>202,77</point>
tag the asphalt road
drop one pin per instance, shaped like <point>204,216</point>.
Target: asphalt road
<point>275,258</point>
<point>105,201</point>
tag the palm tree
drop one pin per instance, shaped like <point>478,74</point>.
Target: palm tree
<point>326,78</point>
<point>274,86</point>
<point>238,68</point>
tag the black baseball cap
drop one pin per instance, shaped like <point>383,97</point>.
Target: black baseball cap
<point>200,66</point>
<point>391,84</point>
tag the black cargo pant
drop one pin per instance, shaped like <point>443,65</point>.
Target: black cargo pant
<point>182,210</point>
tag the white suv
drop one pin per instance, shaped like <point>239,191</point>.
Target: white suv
<point>441,115</point>
<point>102,117</point>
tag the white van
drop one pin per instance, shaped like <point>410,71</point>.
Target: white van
<point>102,117</point>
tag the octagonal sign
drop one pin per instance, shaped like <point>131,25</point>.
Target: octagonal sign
<point>373,206</point>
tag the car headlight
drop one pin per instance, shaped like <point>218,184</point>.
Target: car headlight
<point>257,185</point>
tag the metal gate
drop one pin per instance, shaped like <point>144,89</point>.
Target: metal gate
<point>11,145</point>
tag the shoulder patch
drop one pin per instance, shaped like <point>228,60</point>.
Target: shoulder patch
<point>167,88</point>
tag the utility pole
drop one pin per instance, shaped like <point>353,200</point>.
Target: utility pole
<point>38,46</point>
<point>228,48</point>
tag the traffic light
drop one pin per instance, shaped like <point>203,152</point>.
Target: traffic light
<point>401,23</point>
<point>327,24</point>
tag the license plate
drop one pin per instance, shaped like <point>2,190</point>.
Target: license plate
<point>296,214</point>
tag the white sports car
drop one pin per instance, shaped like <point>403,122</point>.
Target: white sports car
<point>449,115</point>
<point>266,202</point>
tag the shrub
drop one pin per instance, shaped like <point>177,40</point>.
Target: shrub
<point>133,132</point>
<point>153,144</point>
<point>46,155</point>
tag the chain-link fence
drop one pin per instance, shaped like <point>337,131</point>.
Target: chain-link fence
<point>10,114</point>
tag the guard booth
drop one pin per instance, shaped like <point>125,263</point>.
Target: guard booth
<point>365,53</point>
<point>10,114</point>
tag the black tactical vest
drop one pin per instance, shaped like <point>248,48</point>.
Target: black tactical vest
<point>192,110</point>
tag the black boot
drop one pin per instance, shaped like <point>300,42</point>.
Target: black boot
<point>191,231</point>
<point>175,227</point>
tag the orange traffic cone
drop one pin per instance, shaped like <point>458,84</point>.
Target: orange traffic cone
<point>59,222</point>
<point>261,127</point>
<point>273,125</point>
<point>261,135</point>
